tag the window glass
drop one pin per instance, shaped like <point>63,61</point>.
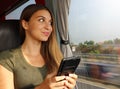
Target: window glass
<point>94,30</point>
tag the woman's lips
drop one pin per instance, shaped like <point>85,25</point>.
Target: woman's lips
<point>46,33</point>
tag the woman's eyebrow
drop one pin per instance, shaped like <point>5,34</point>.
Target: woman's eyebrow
<point>40,16</point>
<point>43,17</point>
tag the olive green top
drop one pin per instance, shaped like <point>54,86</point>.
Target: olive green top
<point>25,75</point>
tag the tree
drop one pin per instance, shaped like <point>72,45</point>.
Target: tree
<point>117,41</point>
<point>88,47</point>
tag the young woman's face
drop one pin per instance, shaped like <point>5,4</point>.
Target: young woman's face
<point>39,27</point>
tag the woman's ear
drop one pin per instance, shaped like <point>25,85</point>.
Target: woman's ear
<point>25,24</point>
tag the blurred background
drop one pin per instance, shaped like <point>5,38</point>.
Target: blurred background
<point>95,37</point>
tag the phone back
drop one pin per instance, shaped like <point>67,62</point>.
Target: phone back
<point>68,65</point>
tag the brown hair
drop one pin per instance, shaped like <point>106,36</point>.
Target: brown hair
<point>50,49</point>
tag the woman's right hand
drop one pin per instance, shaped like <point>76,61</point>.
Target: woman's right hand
<point>53,82</point>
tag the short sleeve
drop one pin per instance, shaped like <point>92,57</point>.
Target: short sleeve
<point>6,60</point>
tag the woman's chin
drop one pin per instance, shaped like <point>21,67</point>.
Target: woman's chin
<point>44,39</point>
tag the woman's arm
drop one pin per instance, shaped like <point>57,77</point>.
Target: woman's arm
<point>6,79</point>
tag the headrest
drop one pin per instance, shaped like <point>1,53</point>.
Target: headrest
<point>9,34</point>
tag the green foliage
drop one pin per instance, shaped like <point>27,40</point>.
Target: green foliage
<point>88,47</point>
<point>107,47</point>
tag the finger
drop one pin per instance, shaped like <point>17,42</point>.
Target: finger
<point>62,87</point>
<point>70,80</point>
<point>59,87</point>
<point>59,78</point>
<point>69,85</point>
<point>74,76</point>
<point>60,83</point>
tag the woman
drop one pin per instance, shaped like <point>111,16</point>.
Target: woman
<point>34,64</point>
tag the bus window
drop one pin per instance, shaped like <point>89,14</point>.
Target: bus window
<point>95,36</point>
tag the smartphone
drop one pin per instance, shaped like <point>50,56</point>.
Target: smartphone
<point>68,65</point>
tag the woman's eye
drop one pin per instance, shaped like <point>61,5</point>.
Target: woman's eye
<point>41,20</point>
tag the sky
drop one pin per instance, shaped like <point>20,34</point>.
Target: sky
<point>96,20</point>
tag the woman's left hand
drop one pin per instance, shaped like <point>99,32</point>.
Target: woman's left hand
<point>71,81</point>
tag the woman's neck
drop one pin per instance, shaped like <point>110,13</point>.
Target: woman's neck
<point>31,52</point>
<point>31,48</point>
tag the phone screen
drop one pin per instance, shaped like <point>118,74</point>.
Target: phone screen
<point>68,65</point>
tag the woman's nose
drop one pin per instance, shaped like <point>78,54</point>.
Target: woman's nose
<point>48,26</point>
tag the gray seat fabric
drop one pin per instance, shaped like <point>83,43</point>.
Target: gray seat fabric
<point>9,34</point>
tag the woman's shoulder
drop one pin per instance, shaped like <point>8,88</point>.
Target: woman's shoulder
<point>8,58</point>
<point>9,53</point>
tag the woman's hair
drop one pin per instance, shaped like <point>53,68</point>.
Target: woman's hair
<point>49,49</point>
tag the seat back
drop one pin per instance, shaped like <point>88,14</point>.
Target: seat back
<point>9,34</point>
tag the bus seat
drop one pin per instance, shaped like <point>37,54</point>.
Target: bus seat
<point>9,34</point>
